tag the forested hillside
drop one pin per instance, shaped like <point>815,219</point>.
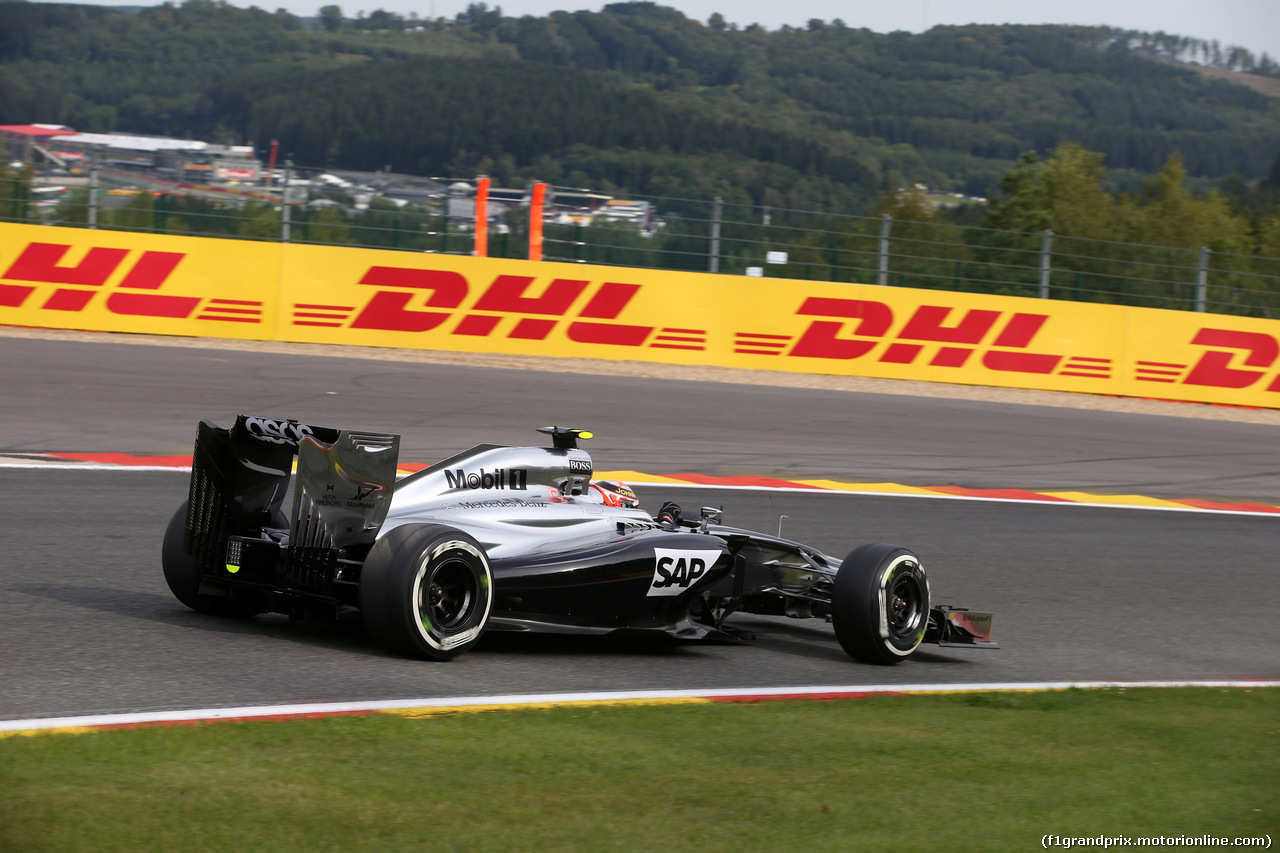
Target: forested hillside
<point>636,97</point>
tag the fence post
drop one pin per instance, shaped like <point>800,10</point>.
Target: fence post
<point>284,199</point>
<point>1046,247</point>
<point>715,234</point>
<point>882,270</point>
<point>1202,278</point>
<point>159,213</point>
<point>93,191</point>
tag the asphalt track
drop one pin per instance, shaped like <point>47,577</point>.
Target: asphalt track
<point>87,624</point>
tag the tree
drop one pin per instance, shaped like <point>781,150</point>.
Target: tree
<point>1078,204</point>
<point>1064,194</point>
<point>909,204</point>
<point>1022,205</point>
<point>331,18</point>
<point>1166,214</point>
<point>1269,236</point>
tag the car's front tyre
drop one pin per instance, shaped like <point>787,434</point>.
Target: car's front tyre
<point>426,590</point>
<point>880,604</point>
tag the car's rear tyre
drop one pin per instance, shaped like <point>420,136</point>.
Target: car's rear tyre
<point>183,575</point>
<point>426,590</point>
<point>880,604</point>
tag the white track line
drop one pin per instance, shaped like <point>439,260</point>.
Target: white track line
<point>604,697</point>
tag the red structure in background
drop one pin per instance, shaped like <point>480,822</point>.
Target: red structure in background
<point>535,222</point>
<point>482,218</point>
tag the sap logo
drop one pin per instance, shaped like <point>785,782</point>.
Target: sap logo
<point>498,478</point>
<point>276,432</point>
<point>674,571</point>
<point>579,466</point>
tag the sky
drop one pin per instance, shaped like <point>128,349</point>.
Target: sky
<point>1252,24</point>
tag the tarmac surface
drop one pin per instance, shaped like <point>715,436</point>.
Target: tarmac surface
<point>88,626</point>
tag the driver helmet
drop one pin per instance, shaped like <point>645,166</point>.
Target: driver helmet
<point>614,493</point>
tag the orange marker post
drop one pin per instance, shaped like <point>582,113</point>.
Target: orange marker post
<point>535,222</point>
<point>482,218</point>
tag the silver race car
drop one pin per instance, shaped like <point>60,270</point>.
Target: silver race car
<point>508,538</point>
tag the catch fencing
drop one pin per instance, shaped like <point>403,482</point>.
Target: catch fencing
<point>687,235</point>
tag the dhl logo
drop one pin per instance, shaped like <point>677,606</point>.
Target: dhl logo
<point>927,337</point>
<point>403,299</point>
<point>1226,363</point>
<point>134,295</point>
<point>854,328</point>
<point>418,300</point>
<point>839,329</point>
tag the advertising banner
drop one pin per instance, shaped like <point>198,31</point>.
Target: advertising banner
<point>114,281</point>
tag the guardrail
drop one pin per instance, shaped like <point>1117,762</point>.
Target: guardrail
<point>696,235</point>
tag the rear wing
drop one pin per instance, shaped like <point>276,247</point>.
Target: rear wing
<point>240,477</point>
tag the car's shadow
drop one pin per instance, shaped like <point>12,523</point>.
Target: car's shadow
<point>164,609</point>
<point>811,639</point>
<point>530,643</point>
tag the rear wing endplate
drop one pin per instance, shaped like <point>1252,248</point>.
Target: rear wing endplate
<point>239,478</point>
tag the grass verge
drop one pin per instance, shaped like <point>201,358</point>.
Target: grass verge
<point>992,771</point>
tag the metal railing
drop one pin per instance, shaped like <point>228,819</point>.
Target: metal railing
<point>695,235</point>
<point>931,255</point>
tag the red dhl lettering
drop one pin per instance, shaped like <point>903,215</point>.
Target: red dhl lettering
<point>1214,367</point>
<point>536,314</point>
<point>930,324</point>
<point>43,263</point>
<point>418,300</point>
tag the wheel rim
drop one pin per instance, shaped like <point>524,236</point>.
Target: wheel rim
<point>448,597</point>
<point>905,602</point>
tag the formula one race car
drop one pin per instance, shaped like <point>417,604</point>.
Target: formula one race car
<point>508,538</point>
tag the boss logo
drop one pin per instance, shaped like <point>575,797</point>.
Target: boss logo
<point>499,478</point>
<point>276,432</point>
<point>675,571</point>
<point>579,466</point>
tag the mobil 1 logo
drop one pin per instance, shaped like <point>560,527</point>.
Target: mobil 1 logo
<point>675,570</point>
<point>498,478</point>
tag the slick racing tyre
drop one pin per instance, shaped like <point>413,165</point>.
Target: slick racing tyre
<point>183,576</point>
<point>426,591</point>
<point>880,604</point>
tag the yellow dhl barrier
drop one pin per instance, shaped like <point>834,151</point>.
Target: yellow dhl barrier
<point>160,284</point>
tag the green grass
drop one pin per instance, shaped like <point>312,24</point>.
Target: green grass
<point>969,771</point>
